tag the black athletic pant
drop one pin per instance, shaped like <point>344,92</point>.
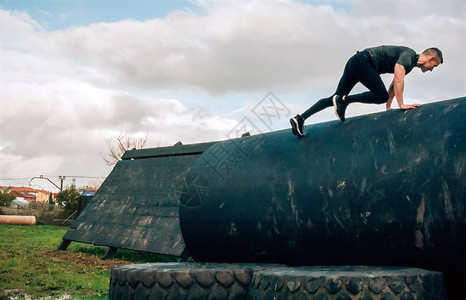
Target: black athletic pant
<point>359,68</point>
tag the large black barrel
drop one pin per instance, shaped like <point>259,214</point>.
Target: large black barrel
<point>381,189</point>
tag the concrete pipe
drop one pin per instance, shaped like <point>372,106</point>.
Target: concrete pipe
<point>17,220</point>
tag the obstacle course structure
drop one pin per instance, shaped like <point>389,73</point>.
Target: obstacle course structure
<point>381,189</point>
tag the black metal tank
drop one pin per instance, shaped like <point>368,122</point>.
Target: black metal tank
<point>381,189</point>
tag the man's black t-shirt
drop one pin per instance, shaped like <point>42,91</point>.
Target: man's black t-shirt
<point>385,58</point>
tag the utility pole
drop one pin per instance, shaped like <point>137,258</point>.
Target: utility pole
<point>62,178</point>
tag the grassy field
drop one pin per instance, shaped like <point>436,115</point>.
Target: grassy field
<point>32,268</point>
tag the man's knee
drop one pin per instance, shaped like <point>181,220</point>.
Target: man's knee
<point>382,97</point>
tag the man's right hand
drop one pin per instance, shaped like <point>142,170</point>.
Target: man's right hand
<point>409,106</point>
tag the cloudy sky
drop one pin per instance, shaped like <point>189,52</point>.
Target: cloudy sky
<point>74,74</point>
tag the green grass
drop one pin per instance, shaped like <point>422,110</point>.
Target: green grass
<point>31,267</point>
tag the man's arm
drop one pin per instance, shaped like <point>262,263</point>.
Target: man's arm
<point>398,87</point>
<point>391,95</point>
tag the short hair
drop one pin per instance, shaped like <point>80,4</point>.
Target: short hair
<point>434,52</point>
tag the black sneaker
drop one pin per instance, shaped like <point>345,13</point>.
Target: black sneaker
<point>297,125</point>
<point>340,107</point>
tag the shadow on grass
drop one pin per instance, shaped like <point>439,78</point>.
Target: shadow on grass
<point>124,254</point>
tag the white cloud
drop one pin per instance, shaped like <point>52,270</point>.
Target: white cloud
<point>235,48</point>
<point>410,8</point>
<point>251,46</point>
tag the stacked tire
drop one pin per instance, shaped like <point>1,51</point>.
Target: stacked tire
<point>181,281</point>
<point>253,281</point>
<point>347,282</point>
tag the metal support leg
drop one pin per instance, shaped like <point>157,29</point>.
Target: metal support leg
<point>64,244</point>
<point>184,256</point>
<point>110,253</point>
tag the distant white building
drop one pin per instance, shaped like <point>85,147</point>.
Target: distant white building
<point>19,203</point>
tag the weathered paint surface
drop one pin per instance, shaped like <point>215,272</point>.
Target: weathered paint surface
<point>386,189</point>
<point>136,207</point>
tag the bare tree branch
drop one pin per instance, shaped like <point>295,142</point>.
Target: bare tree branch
<point>119,145</point>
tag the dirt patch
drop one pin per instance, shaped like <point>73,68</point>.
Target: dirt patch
<point>85,259</point>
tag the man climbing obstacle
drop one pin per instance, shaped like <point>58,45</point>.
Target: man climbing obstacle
<point>365,67</point>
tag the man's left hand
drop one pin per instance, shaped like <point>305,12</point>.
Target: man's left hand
<point>409,106</point>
